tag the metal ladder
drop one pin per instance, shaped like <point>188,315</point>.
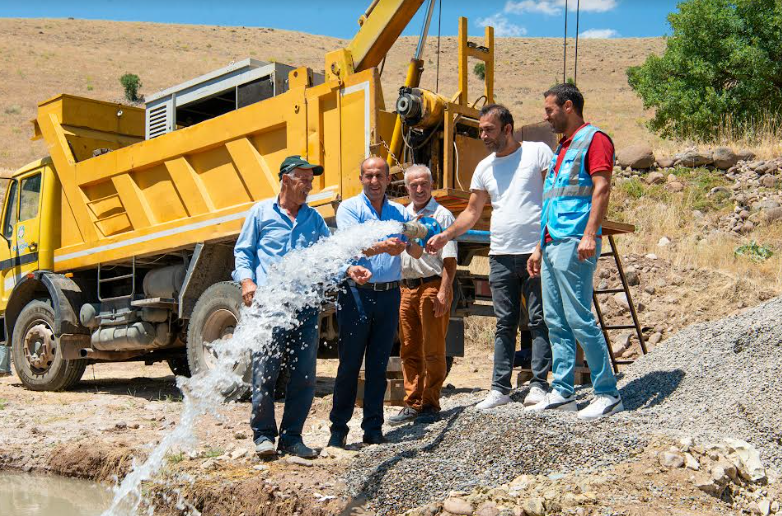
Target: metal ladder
<point>633,314</point>
<point>131,276</point>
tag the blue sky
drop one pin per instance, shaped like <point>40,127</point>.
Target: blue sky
<point>532,18</point>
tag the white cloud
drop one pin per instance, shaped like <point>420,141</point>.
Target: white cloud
<point>555,7</point>
<point>599,34</point>
<point>503,28</point>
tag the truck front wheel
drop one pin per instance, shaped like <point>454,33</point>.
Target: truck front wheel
<point>36,351</point>
<point>214,319</point>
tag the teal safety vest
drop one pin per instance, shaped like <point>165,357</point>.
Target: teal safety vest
<point>567,196</point>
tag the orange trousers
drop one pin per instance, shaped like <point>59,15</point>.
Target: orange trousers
<point>423,345</point>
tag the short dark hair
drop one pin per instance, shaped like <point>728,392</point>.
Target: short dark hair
<point>385,163</point>
<point>563,93</point>
<point>500,112</point>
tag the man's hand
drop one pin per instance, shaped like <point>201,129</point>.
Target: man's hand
<point>436,243</point>
<point>586,247</point>
<point>394,246</point>
<point>359,274</point>
<point>442,302</point>
<point>248,291</point>
<point>533,263</point>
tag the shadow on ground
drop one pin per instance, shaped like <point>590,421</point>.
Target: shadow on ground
<point>651,389</point>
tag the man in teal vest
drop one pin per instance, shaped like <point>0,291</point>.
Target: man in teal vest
<point>575,202</point>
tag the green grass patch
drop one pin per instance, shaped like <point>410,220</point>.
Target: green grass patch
<point>175,458</point>
<point>3,403</point>
<point>213,452</point>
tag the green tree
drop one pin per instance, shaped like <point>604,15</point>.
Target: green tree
<point>131,83</point>
<point>723,62</point>
<point>480,70</point>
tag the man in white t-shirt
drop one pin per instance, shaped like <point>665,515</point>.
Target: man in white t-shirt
<point>512,179</point>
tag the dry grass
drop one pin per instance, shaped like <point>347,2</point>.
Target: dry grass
<point>44,57</point>
<point>657,213</point>
<point>763,137</point>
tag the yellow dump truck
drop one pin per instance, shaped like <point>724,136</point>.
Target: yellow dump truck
<point>118,246</point>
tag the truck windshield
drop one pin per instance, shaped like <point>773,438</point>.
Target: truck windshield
<point>9,221</point>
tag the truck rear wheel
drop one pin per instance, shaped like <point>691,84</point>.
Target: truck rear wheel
<point>214,319</point>
<point>36,351</point>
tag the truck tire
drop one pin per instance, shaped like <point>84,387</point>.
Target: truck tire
<point>36,352</point>
<point>179,366</point>
<point>214,317</point>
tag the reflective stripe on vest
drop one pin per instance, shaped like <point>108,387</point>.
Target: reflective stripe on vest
<point>567,196</point>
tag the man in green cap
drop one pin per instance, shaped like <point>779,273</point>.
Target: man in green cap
<point>273,228</point>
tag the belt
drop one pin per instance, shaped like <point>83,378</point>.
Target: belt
<point>379,287</point>
<point>417,282</point>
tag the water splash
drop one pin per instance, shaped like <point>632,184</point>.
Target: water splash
<point>295,283</point>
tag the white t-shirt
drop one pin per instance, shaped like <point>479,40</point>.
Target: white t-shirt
<point>515,186</point>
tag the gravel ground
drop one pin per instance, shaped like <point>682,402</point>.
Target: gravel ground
<point>713,380</point>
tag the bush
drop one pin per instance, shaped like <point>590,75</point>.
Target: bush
<point>480,70</point>
<point>754,251</point>
<point>131,83</point>
<point>721,62</point>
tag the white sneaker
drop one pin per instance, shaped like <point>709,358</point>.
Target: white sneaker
<point>602,405</point>
<point>534,396</point>
<point>554,401</point>
<point>494,399</point>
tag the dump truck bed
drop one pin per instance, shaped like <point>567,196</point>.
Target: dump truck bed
<point>196,184</point>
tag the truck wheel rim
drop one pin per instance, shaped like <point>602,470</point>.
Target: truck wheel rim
<point>39,347</point>
<point>219,326</point>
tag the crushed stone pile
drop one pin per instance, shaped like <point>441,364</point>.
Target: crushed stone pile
<point>711,381</point>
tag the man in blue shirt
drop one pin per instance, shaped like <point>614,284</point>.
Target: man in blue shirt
<point>273,228</point>
<point>368,314</point>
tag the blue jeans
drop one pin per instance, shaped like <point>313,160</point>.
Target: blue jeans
<point>299,349</point>
<point>5,359</point>
<point>510,282</point>
<point>368,321</point>
<point>567,304</point>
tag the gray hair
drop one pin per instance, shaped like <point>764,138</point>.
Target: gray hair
<point>418,168</point>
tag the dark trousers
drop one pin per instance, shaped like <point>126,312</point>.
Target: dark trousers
<point>509,281</point>
<point>368,322</point>
<point>298,348</point>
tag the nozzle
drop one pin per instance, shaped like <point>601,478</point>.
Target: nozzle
<point>414,229</point>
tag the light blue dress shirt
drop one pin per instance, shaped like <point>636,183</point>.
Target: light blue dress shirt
<point>358,209</point>
<point>269,234</point>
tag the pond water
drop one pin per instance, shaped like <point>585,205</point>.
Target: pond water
<point>26,494</point>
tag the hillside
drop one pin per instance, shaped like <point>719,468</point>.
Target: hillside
<point>44,57</point>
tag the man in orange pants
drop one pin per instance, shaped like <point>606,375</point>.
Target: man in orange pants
<point>424,312</point>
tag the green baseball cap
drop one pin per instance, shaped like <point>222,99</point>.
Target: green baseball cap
<point>293,162</point>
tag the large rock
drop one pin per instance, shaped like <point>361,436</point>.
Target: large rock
<point>771,215</point>
<point>666,162</point>
<point>456,505</point>
<point>724,158</point>
<point>749,465</point>
<point>745,155</point>
<point>694,158</point>
<point>639,157</point>
<point>655,178</point>
<point>671,460</point>
<point>766,204</point>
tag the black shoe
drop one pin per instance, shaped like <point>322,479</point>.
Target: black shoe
<point>337,440</point>
<point>298,449</point>
<point>375,438</point>
<point>406,415</point>
<point>428,415</point>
